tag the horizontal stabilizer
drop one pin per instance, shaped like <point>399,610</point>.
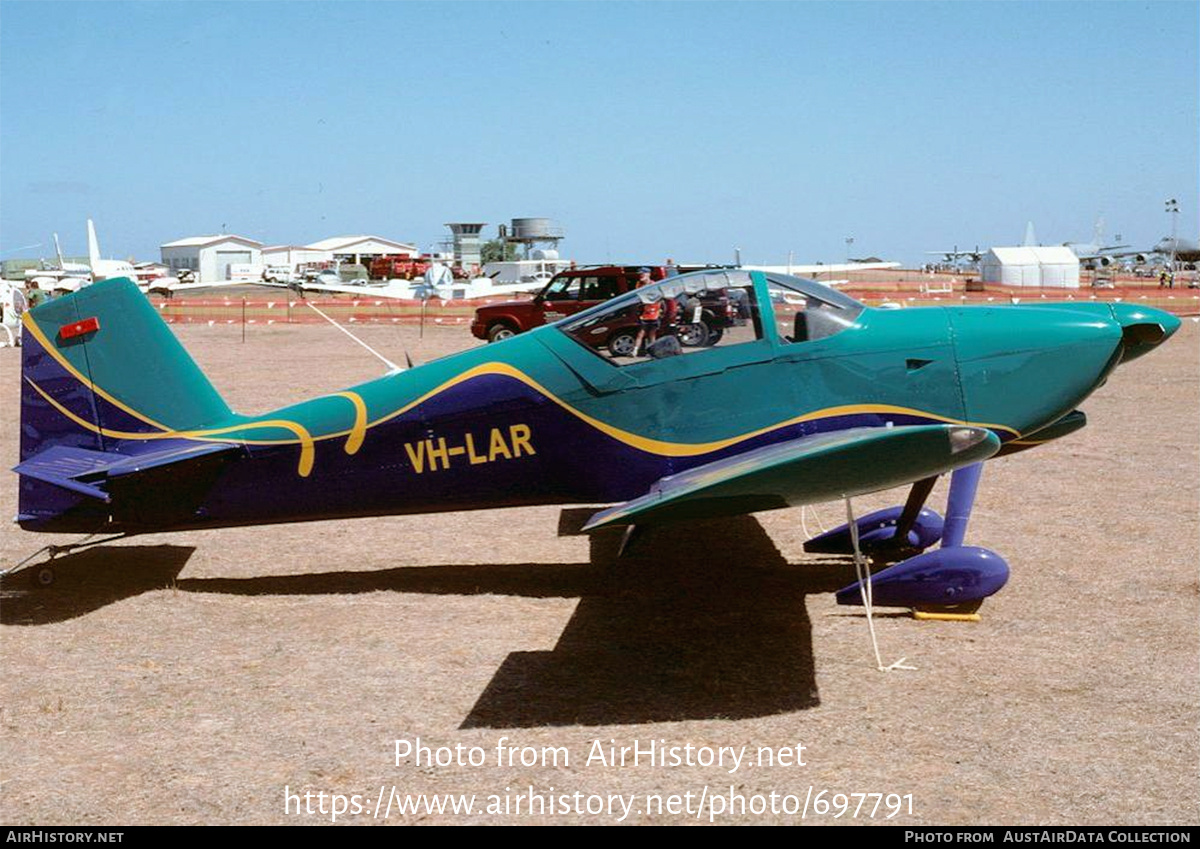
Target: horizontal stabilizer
<point>108,476</point>
<point>807,470</point>
<point>70,468</point>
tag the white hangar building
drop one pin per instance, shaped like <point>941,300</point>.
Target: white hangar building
<point>362,249</point>
<point>210,256</point>
<point>1049,267</point>
<point>294,256</point>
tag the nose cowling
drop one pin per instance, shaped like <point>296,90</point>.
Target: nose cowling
<point>1022,368</point>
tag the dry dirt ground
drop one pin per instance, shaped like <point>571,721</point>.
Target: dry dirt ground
<point>202,677</point>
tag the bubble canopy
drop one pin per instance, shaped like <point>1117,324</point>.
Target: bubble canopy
<point>715,305</point>
<point>716,280</point>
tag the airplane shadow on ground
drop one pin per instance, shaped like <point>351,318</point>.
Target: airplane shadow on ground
<point>697,620</point>
<point>89,580</point>
<point>701,620</point>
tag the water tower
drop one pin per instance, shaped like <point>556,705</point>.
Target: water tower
<point>528,232</point>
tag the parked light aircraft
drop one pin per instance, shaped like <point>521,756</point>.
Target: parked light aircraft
<point>419,289</point>
<point>71,277</point>
<point>812,397</point>
<point>63,277</point>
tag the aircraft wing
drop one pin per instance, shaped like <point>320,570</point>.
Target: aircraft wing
<point>155,285</point>
<point>950,256</point>
<point>832,268</point>
<point>1115,253</point>
<point>807,470</point>
<point>364,291</point>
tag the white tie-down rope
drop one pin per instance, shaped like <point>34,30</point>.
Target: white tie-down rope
<point>804,524</point>
<point>391,365</point>
<point>864,587</point>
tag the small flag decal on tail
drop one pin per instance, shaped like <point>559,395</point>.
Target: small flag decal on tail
<point>79,328</point>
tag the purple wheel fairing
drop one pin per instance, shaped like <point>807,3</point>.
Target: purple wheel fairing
<point>944,576</point>
<point>878,530</point>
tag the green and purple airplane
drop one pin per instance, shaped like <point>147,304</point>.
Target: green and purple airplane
<point>805,395</point>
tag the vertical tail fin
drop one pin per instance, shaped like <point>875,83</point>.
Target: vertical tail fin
<point>100,365</point>
<point>102,376</point>
<point>93,245</point>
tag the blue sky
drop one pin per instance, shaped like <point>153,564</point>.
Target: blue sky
<point>646,130</point>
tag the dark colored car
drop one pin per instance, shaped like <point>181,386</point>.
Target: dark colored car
<point>698,321</point>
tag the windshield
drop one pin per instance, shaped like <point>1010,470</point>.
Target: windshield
<point>813,289</point>
<point>558,287</point>
<point>804,310</point>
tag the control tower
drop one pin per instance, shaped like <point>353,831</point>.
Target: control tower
<point>466,245</point>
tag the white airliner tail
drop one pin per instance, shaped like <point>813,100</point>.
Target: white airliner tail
<point>93,245</point>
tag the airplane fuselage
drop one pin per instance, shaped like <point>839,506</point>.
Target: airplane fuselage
<point>540,418</point>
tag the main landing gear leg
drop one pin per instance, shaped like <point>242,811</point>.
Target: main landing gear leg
<point>888,535</point>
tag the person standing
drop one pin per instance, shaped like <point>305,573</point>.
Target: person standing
<point>648,316</point>
<point>12,305</point>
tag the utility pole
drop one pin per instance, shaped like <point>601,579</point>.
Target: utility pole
<point>1173,208</point>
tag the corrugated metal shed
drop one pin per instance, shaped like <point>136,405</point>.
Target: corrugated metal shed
<point>210,257</point>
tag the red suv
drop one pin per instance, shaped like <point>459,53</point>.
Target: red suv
<point>699,321</point>
<point>567,292</point>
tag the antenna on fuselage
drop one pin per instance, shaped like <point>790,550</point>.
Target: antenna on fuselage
<point>392,367</point>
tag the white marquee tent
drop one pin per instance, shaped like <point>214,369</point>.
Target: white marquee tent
<point>1050,267</point>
